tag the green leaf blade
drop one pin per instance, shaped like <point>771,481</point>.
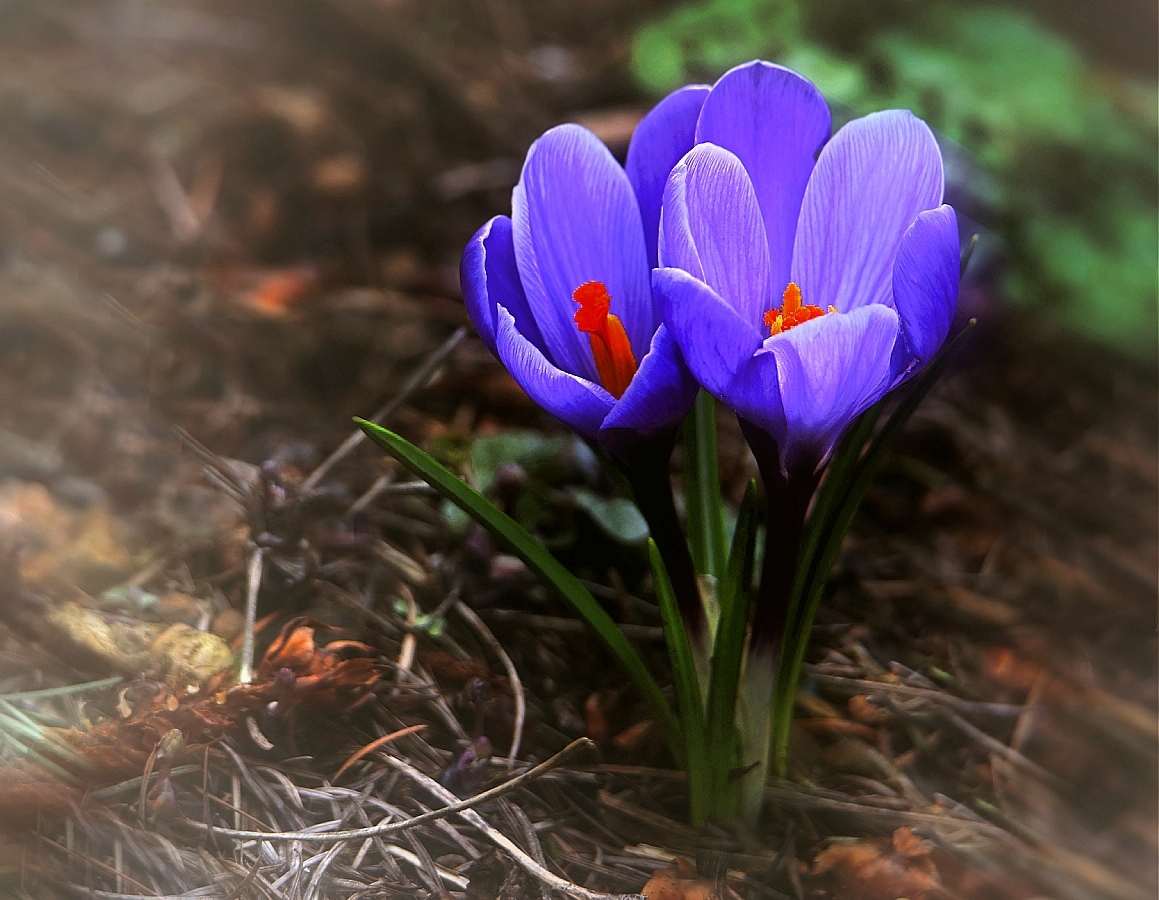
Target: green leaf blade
<point>721,737</point>
<point>706,534</point>
<point>539,561</point>
<point>687,686</point>
<point>830,533</point>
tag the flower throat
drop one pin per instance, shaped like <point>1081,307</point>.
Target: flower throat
<point>613,353</point>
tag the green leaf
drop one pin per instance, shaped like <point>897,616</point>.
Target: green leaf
<point>702,488</point>
<point>539,561</point>
<point>834,488</point>
<point>830,533</point>
<point>687,687</point>
<point>617,517</point>
<point>723,740</point>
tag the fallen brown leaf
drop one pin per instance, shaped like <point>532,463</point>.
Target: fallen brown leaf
<point>905,866</point>
<point>680,882</point>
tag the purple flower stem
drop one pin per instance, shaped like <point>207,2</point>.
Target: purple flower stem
<point>788,498</point>
<point>647,474</point>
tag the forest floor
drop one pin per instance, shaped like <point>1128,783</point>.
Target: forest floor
<point>227,228</point>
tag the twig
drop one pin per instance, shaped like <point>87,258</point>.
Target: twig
<point>320,870</point>
<point>455,806</point>
<point>384,487</point>
<point>530,838</point>
<point>868,686</point>
<point>484,633</point>
<point>95,863</point>
<point>376,744</point>
<point>456,881</point>
<point>781,792</point>
<point>226,470</point>
<point>381,483</point>
<point>995,746</point>
<point>527,863</point>
<point>416,381</point>
<point>174,200</point>
<point>409,643</point>
<point>253,585</point>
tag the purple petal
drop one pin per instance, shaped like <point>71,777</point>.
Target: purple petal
<point>575,220</point>
<point>807,384</point>
<point>712,228</point>
<point>490,278</point>
<point>870,183</point>
<point>775,121</point>
<point>659,397</point>
<point>714,341</point>
<point>659,141</point>
<point>579,404</point>
<point>925,287</point>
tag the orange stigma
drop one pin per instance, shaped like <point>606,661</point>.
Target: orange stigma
<point>614,358</point>
<point>792,312</point>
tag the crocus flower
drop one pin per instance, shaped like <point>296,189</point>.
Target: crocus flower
<point>561,291</point>
<point>802,277</point>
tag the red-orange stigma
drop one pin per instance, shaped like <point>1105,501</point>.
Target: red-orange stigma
<point>613,353</point>
<point>792,312</point>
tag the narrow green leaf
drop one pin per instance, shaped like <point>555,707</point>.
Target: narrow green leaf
<point>845,501</point>
<point>835,486</point>
<point>721,736</point>
<point>539,561</point>
<point>831,533</point>
<point>967,255</point>
<point>687,686</point>
<point>706,535</point>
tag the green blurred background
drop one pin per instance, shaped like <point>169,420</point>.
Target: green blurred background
<point>1047,115</point>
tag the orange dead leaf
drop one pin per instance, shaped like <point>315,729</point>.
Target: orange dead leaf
<point>595,718</point>
<point>1010,668</point>
<point>679,882</point>
<point>267,292</point>
<point>873,871</point>
<point>375,744</point>
<point>294,649</point>
<point>634,736</point>
<point>277,292</point>
<point>447,667</point>
<point>907,866</point>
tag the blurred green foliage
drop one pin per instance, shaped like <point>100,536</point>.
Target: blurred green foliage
<point>548,480</point>
<point>1063,156</point>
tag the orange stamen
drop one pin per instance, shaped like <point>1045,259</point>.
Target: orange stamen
<point>792,312</point>
<point>613,354</point>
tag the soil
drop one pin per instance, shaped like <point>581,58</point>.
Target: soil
<point>227,228</point>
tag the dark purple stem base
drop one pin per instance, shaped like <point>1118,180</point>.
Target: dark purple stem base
<point>788,497</point>
<point>647,473</point>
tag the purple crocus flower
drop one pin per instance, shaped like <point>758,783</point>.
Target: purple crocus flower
<point>801,279</point>
<point>583,230</point>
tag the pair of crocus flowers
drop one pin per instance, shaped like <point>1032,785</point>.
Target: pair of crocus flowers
<point>798,278</point>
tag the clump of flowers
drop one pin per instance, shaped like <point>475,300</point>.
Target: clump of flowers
<point>796,277</point>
